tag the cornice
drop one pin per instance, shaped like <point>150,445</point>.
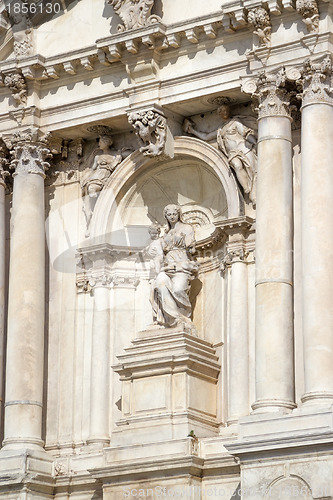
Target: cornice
<point>156,37</point>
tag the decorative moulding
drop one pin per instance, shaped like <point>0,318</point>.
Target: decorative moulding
<point>121,46</point>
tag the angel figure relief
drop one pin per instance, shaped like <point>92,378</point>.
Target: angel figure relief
<point>134,13</point>
<point>238,143</point>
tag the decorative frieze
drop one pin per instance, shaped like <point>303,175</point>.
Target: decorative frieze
<point>134,13</point>
<point>99,278</point>
<point>308,9</point>
<point>29,150</point>
<point>125,281</point>
<point>261,22</point>
<point>316,79</point>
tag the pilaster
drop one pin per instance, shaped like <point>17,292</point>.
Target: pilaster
<point>236,259</point>
<point>99,430</point>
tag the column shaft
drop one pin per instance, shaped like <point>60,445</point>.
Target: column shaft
<point>274,255</point>
<point>26,300</point>
<point>25,341</point>
<point>317,235</point>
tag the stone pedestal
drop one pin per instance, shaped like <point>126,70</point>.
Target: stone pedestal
<point>168,387</point>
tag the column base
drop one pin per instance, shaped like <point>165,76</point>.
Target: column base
<point>317,398</point>
<point>21,443</point>
<point>98,443</point>
<point>272,405</point>
<point>26,473</point>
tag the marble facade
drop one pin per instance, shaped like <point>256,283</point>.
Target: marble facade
<point>111,110</point>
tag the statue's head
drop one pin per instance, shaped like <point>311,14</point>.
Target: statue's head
<point>105,140</point>
<point>224,111</point>
<point>172,213</point>
<point>154,231</point>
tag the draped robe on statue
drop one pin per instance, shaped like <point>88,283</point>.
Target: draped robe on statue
<point>170,289</point>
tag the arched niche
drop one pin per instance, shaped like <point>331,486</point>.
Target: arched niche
<point>198,178</point>
<point>289,488</point>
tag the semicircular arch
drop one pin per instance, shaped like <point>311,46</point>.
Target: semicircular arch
<point>136,164</point>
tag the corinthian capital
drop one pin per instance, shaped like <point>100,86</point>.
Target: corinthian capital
<point>271,94</point>
<point>316,80</point>
<point>29,150</point>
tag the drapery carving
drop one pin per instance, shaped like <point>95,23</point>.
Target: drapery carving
<point>175,268</point>
<point>237,142</point>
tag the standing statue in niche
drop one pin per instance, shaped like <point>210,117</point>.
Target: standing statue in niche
<point>104,164</point>
<point>170,289</point>
<point>238,143</point>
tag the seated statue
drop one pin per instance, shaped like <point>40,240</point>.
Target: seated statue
<point>170,289</point>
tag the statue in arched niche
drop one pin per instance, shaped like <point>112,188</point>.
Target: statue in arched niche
<point>238,143</point>
<point>170,289</point>
<point>104,162</point>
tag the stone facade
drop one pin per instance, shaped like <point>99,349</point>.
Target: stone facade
<point>110,112</point>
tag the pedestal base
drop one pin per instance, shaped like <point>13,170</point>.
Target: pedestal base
<point>168,387</point>
<point>26,473</point>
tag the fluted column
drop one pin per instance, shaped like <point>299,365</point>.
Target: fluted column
<point>274,249</point>
<point>317,231</point>
<point>25,337</point>
<point>238,350</point>
<point>99,433</point>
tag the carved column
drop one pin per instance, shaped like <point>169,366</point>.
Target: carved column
<point>99,433</point>
<point>25,338</point>
<point>317,231</point>
<point>274,249</point>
